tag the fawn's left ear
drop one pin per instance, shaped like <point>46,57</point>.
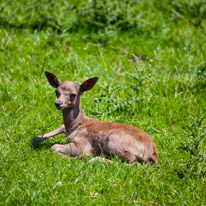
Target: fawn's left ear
<point>53,80</point>
<point>88,84</point>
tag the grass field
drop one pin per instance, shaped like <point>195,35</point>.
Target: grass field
<point>152,74</point>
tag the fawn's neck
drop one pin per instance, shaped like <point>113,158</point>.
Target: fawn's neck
<point>73,117</point>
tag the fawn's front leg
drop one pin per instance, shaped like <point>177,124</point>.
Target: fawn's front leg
<point>78,147</point>
<point>59,130</point>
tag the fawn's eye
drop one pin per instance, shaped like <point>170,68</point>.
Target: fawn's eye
<point>57,93</point>
<point>72,96</point>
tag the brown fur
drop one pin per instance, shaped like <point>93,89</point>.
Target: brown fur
<point>90,136</point>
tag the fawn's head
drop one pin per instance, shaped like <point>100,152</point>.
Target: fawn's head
<point>68,93</point>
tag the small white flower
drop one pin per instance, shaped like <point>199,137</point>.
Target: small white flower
<point>59,184</point>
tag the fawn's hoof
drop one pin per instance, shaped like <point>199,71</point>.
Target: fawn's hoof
<point>37,139</point>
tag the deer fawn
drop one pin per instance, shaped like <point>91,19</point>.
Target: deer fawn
<point>90,136</point>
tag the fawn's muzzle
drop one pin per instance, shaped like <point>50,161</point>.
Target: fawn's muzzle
<point>58,103</point>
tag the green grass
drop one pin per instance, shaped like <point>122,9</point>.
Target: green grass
<point>162,90</point>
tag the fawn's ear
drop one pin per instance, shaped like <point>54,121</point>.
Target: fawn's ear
<point>88,84</point>
<point>53,80</point>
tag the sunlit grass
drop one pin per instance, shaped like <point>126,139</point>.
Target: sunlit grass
<point>155,81</point>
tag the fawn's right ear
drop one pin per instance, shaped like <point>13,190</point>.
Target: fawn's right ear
<point>53,80</point>
<point>88,84</point>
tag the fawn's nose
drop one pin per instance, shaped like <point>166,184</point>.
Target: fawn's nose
<point>58,103</point>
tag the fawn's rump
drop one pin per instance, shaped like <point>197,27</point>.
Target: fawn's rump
<point>130,150</point>
<point>128,142</point>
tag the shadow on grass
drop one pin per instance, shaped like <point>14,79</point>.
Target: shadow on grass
<point>37,145</point>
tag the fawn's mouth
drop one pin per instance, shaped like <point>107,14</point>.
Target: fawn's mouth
<point>63,107</point>
<point>60,107</point>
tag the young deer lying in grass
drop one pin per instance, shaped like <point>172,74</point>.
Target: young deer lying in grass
<point>90,136</point>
